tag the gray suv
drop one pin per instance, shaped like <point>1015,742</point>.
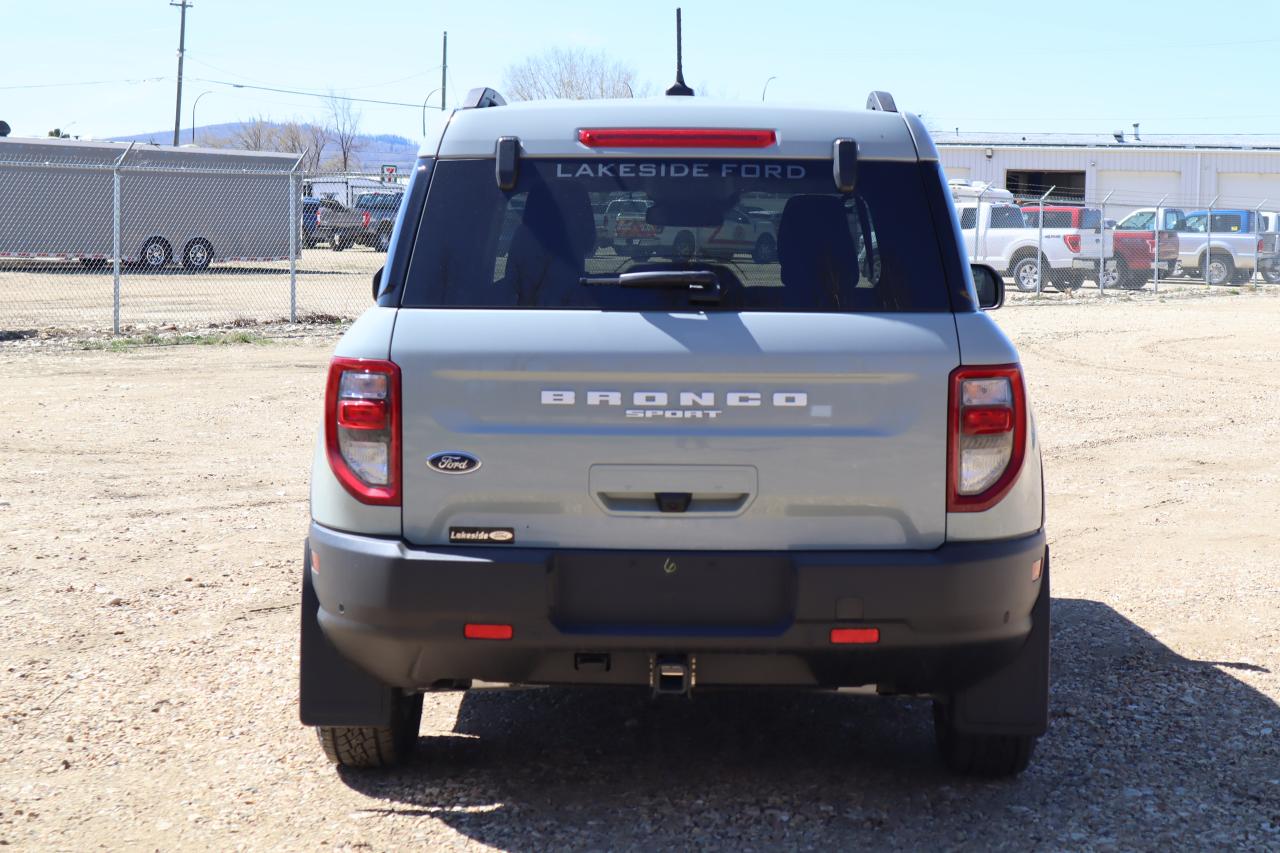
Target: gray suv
<point>545,462</point>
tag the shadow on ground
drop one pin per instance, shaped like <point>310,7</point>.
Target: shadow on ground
<point>1146,749</point>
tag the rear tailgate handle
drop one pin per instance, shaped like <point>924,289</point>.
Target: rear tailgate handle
<point>687,490</point>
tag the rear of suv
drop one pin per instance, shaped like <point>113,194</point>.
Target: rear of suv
<point>547,462</point>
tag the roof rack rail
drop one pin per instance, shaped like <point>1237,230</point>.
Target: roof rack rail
<point>482,97</point>
<point>881,101</point>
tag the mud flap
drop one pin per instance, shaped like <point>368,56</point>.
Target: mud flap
<point>1014,700</point>
<point>332,691</point>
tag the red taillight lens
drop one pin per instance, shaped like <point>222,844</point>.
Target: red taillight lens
<point>987,435</point>
<point>855,636</point>
<point>474,631</point>
<point>362,428</point>
<point>676,137</point>
<point>364,219</point>
<point>1262,246</point>
<point>362,414</point>
<point>1151,245</point>
<point>318,217</point>
<point>1072,241</point>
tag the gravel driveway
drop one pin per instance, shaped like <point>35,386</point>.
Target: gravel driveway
<point>152,506</point>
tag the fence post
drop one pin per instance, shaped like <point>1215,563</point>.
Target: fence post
<point>1208,238</point>
<point>1040,244</point>
<point>1102,242</point>
<point>1257,237</point>
<point>1155,254</point>
<point>115,241</point>
<point>294,226</point>
<point>977,223</point>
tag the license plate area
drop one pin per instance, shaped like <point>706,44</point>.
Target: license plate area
<point>655,592</point>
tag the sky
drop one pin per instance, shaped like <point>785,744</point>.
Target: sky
<point>98,69</point>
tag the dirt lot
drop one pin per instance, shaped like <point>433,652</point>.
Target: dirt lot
<point>153,504</point>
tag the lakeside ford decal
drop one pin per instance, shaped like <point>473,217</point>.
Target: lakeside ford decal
<point>789,171</point>
<point>691,404</point>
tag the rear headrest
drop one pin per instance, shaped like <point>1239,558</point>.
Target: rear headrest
<point>561,216</point>
<point>816,249</point>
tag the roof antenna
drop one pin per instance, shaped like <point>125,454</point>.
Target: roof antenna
<point>679,88</point>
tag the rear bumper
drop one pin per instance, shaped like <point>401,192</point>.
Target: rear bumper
<point>946,617</point>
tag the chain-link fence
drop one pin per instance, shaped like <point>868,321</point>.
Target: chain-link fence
<point>108,237</point>
<point>1046,240</point>
<point>98,237</point>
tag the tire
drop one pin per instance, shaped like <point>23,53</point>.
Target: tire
<point>765,250</point>
<point>684,246</point>
<point>1220,268</point>
<point>383,241</point>
<point>1132,279</point>
<point>156,254</point>
<point>197,255</point>
<point>1067,282</point>
<point>1177,269</point>
<point>1241,276</point>
<point>1271,275</point>
<point>337,242</point>
<point>375,746</point>
<point>980,754</point>
<point>1024,273</point>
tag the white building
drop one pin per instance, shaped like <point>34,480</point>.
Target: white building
<point>1191,171</point>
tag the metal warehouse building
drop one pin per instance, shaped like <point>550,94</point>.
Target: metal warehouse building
<point>1192,171</point>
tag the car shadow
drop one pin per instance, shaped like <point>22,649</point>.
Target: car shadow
<point>1145,749</point>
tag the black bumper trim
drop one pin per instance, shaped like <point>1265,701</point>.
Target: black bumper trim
<point>946,616</point>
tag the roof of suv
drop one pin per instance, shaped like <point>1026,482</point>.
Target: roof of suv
<point>550,128</point>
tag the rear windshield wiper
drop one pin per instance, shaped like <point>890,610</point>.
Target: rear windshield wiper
<point>703,285</point>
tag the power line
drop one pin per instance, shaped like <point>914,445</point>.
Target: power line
<point>84,83</point>
<point>325,95</point>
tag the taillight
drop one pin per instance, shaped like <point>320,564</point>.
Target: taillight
<point>362,428</point>
<point>987,435</point>
<point>318,217</point>
<point>1262,246</point>
<point>676,137</point>
<point>1151,245</point>
<point>364,219</point>
<point>1072,241</point>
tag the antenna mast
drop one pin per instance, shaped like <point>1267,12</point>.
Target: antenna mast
<point>679,88</point>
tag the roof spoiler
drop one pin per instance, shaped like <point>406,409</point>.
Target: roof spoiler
<point>479,98</point>
<point>882,102</point>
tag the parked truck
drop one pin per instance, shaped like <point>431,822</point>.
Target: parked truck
<point>1224,247</point>
<point>1269,248</point>
<point>997,235</point>
<point>1139,253</point>
<point>193,206</point>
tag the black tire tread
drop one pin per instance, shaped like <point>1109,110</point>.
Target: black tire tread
<point>989,755</point>
<point>359,746</point>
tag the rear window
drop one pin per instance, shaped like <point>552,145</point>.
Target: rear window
<point>777,235</point>
<point>1052,218</point>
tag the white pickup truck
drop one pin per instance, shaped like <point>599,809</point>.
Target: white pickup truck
<point>999,235</point>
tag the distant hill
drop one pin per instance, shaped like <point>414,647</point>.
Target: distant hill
<point>376,150</point>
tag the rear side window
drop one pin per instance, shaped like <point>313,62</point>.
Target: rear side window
<point>1007,217</point>
<point>1052,218</point>
<point>778,236</point>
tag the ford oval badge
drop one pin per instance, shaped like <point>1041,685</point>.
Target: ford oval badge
<point>453,462</point>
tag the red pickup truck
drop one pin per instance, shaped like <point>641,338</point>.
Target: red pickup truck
<point>1135,247</point>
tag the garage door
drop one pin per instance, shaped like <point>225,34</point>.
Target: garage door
<point>1132,190</point>
<point>1249,189</point>
<point>956,173</point>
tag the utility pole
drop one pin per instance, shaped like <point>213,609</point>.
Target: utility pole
<point>182,48</point>
<point>444,68</point>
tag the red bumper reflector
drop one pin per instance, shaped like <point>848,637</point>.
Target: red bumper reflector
<point>855,636</point>
<point>985,421</point>
<point>473,631</point>
<point>362,414</point>
<point>676,137</point>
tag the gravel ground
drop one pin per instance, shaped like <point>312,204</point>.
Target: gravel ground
<point>153,505</point>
